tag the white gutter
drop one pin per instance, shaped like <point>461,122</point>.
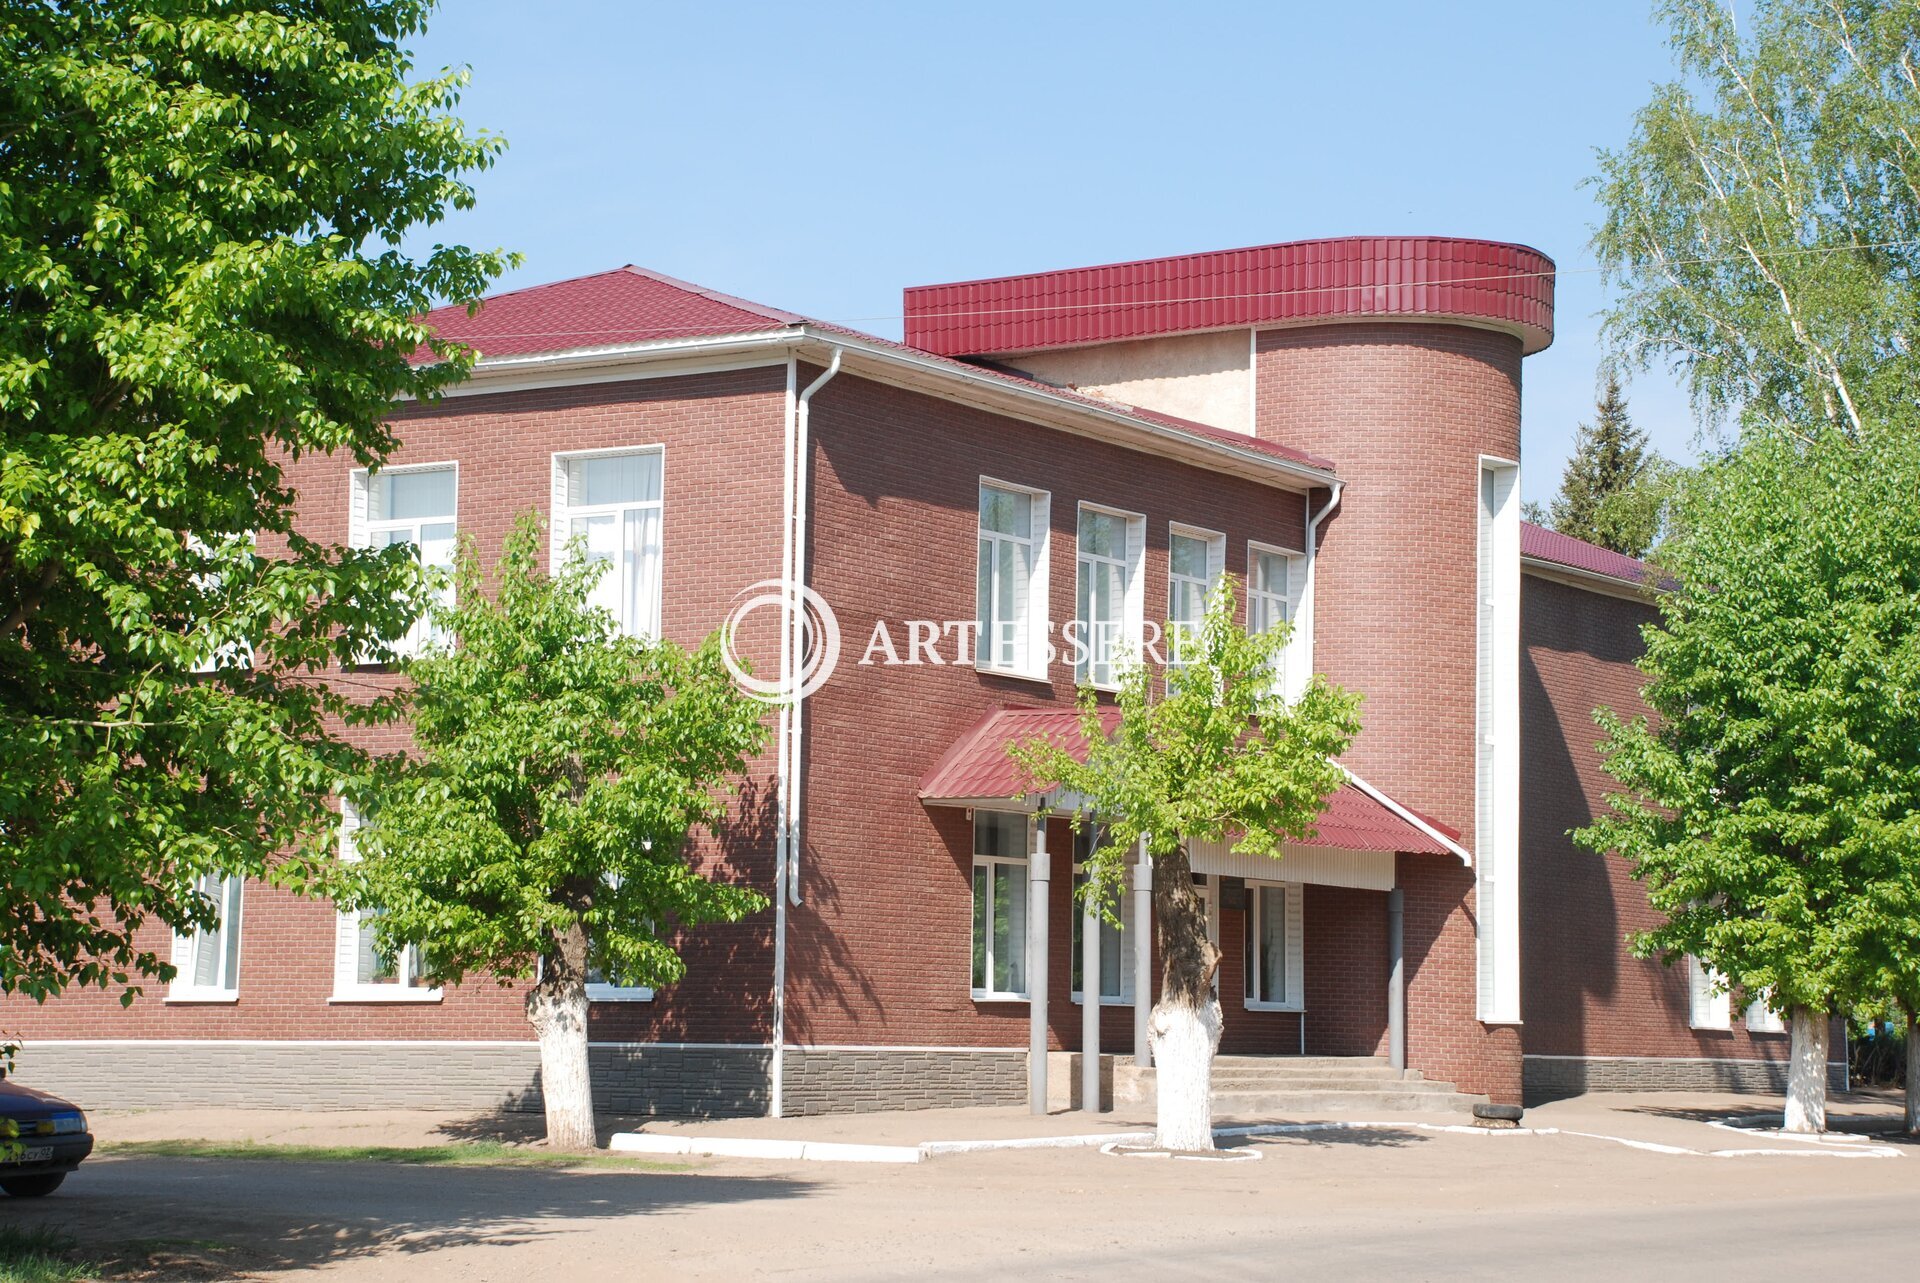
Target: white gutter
<point>984,379</point>
<point>775,1077</point>
<point>1299,657</point>
<point>797,622</point>
<point>1466,857</point>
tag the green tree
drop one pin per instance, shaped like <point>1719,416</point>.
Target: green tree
<point>1613,491</point>
<point>1772,804</point>
<point>540,830</point>
<point>198,209</point>
<point>1220,755</point>
<point>1761,227</point>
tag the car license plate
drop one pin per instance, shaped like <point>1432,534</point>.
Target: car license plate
<point>33,1154</point>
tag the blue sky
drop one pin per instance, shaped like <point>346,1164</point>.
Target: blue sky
<point>820,157</point>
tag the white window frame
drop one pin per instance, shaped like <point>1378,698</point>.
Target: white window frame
<point>1293,922</point>
<point>1021,884</point>
<point>1031,664</point>
<point>1123,942</point>
<point>1292,666</point>
<point>1763,1019</point>
<point>1497,741</point>
<point>361,529</point>
<point>597,992</point>
<point>1133,598</point>
<point>346,942</point>
<point>227,988</point>
<point>237,653</point>
<point>1216,543</point>
<point>563,514</point>
<point>1709,1004</point>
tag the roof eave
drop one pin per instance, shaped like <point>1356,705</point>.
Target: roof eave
<point>1591,580</point>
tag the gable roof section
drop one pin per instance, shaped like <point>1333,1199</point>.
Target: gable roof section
<point>977,771</point>
<point>1541,545</point>
<point>1484,283</point>
<point>632,307</point>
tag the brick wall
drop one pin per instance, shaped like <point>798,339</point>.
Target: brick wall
<point>1583,993</point>
<point>881,945</point>
<point>1405,411</point>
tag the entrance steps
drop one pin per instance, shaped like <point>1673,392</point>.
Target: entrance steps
<point>1300,1086</point>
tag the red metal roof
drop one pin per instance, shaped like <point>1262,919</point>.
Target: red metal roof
<point>1543,544</point>
<point>634,305</point>
<point>628,305</point>
<point>1491,283</point>
<point>977,769</point>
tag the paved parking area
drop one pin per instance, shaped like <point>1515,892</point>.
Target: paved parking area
<point>1391,1200</point>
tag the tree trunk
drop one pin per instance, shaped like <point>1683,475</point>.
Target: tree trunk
<point>557,1010</point>
<point>1913,1074</point>
<point>1807,1071</point>
<point>1184,1031</point>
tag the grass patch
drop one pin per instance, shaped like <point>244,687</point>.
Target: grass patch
<point>39,1255</point>
<point>479,1153</point>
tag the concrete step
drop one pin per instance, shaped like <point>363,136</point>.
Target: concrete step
<point>1289,1073</point>
<point>1313,1104</point>
<point>1301,1062</point>
<point>1328,1082</point>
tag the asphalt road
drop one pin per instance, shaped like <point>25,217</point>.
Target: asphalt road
<point>1400,1206</point>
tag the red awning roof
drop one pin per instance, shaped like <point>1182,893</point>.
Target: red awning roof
<point>976,770</point>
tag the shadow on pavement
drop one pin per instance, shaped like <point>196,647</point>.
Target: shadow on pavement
<point>277,1215</point>
<point>1357,1138</point>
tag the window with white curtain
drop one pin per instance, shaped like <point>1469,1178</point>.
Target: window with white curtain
<point>1116,942</point>
<point>1010,602</point>
<point>1108,615</point>
<point>1274,946</point>
<point>1763,1019</point>
<point>1709,1005</point>
<point>413,506</point>
<point>359,974</point>
<point>207,963</point>
<point>999,905</point>
<point>611,501</point>
<point>1274,581</point>
<point>1194,564</point>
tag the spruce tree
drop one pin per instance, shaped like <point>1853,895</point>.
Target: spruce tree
<point>1609,460</point>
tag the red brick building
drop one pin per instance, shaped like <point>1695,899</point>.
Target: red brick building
<point>1073,454</point>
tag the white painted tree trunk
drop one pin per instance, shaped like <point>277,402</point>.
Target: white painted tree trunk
<point>1913,1076</point>
<point>1807,1071</point>
<point>1184,1038</point>
<point>558,1013</point>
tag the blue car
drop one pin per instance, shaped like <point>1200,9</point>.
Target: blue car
<point>42,1138</point>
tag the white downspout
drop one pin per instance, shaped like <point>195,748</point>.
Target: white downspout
<point>796,624</point>
<point>776,1079</point>
<point>1303,627</point>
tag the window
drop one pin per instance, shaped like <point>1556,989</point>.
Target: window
<point>1496,861</point>
<point>359,975</point>
<point>1273,946</point>
<point>612,502</point>
<point>1108,613</point>
<point>1195,559</point>
<point>999,905</point>
<point>1275,579</point>
<point>1011,597</point>
<point>602,987</point>
<point>413,506</point>
<point>211,585</point>
<point>1763,1019</point>
<point>1709,1005</point>
<point>1116,943</point>
<point>207,963</point>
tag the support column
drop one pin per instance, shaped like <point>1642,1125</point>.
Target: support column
<point>1089,1007</point>
<point>1397,980</point>
<point>1142,955</point>
<point>1039,869</point>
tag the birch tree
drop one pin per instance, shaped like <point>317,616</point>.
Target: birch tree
<point>1216,753</point>
<point>540,829</point>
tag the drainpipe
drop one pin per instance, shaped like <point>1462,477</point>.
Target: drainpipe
<point>796,624</point>
<point>1397,981</point>
<point>1142,943</point>
<point>776,1078</point>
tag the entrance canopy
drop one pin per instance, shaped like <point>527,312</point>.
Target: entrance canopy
<point>976,771</point>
